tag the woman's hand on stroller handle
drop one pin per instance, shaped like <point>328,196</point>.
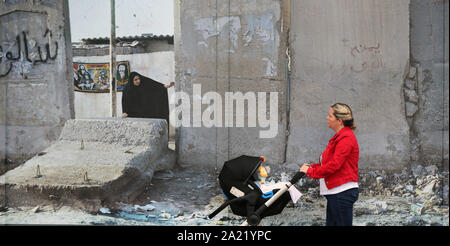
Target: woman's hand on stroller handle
<point>304,168</point>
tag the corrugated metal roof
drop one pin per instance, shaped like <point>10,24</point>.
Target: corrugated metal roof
<point>143,37</point>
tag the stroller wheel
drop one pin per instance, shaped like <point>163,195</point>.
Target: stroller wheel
<point>253,220</point>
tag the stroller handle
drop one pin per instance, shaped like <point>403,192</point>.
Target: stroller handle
<point>224,205</point>
<point>297,177</point>
<point>255,218</point>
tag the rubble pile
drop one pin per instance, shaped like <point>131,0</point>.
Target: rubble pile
<point>426,186</point>
<point>410,197</point>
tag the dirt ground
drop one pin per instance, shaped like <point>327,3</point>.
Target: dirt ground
<point>185,196</point>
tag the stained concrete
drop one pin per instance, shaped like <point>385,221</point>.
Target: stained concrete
<point>229,46</point>
<point>36,75</point>
<point>94,161</point>
<point>387,59</point>
<point>429,73</point>
<point>353,52</point>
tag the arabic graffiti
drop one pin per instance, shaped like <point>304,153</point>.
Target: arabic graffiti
<point>1,58</point>
<point>368,56</point>
<point>23,49</point>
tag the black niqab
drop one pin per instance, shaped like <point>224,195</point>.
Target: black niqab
<point>148,100</point>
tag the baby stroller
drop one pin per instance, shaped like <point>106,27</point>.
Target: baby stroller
<point>237,180</point>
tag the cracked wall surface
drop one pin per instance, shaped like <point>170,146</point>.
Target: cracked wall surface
<point>426,89</point>
<point>386,59</point>
<point>352,52</point>
<point>229,46</point>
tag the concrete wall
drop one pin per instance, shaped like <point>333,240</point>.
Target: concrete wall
<point>95,105</point>
<point>36,87</point>
<point>158,66</point>
<point>354,52</point>
<point>229,46</point>
<point>428,82</point>
<point>384,58</point>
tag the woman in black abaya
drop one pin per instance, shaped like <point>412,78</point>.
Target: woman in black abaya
<point>145,98</point>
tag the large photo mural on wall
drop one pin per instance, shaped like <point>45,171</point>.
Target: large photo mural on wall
<point>94,77</point>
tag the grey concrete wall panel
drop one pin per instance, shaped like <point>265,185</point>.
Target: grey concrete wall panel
<point>387,59</point>
<point>35,75</point>
<point>429,77</point>
<point>234,46</point>
<point>2,123</point>
<point>352,52</point>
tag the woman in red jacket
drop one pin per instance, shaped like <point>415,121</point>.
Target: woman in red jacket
<point>338,167</point>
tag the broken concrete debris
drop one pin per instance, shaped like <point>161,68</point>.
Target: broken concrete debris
<point>401,199</point>
<point>96,173</point>
<point>380,204</point>
<point>36,209</point>
<point>418,193</point>
<point>417,208</point>
<point>145,208</point>
<point>105,210</point>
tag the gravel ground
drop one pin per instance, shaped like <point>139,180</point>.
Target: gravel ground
<point>185,196</point>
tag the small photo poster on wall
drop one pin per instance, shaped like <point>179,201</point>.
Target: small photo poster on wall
<point>94,77</point>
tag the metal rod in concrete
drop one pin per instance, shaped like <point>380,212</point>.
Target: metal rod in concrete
<point>38,172</point>
<point>86,178</point>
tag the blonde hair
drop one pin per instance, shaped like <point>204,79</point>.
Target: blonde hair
<point>344,112</point>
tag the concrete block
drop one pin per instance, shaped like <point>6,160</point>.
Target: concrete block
<point>39,78</point>
<point>2,122</point>
<point>23,142</point>
<point>2,104</point>
<point>38,111</point>
<point>2,144</point>
<point>232,47</point>
<point>94,160</point>
<point>429,41</point>
<point>348,52</point>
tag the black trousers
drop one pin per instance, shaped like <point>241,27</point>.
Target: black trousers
<point>340,207</point>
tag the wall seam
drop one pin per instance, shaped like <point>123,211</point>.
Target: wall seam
<point>287,27</point>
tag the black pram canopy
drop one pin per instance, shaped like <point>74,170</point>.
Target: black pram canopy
<point>239,169</point>
<point>239,173</point>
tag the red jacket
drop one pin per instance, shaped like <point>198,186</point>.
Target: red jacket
<point>339,160</point>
